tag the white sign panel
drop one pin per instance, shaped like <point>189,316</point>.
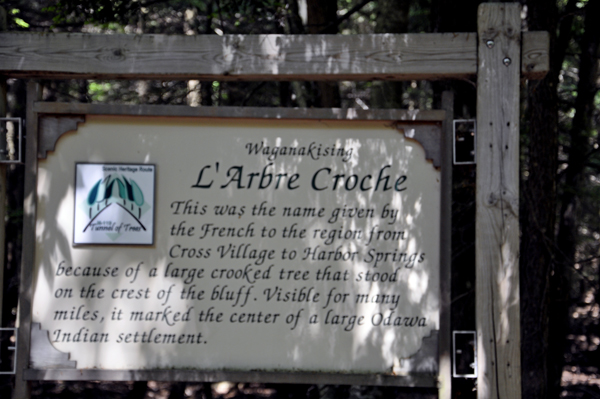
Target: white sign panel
<point>114,204</point>
<point>297,245</point>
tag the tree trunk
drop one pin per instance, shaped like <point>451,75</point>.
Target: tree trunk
<point>544,278</point>
<point>294,26</point>
<point>577,156</point>
<point>206,91</point>
<point>392,17</point>
<point>138,390</point>
<point>538,216</point>
<point>320,15</point>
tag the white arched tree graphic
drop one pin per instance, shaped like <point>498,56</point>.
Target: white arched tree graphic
<point>115,190</point>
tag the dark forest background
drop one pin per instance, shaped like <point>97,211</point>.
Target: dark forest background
<point>560,163</point>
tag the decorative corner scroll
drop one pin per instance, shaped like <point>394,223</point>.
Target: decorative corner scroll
<point>45,356</point>
<point>429,136</point>
<point>425,360</point>
<point>52,128</point>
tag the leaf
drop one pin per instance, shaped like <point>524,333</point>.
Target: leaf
<point>129,189</point>
<point>122,189</point>
<point>21,23</point>
<point>138,196</point>
<point>93,193</point>
<point>109,190</point>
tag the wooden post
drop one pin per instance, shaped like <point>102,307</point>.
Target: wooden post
<point>3,108</point>
<point>445,354</point>
<point>22,388</point>
<point>497,224</point>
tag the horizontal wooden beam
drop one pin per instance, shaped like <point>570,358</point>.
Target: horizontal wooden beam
<point>396,115</point>
<point>535,55</point>
<point>245,57</point>
<point>418,379</point>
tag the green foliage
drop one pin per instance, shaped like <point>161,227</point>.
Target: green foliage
<point>18,21</point>
<point>96,12</point>
<point>99,91</point>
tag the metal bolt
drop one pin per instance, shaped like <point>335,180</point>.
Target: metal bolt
<point>506,61</point>
<point>489,43</point>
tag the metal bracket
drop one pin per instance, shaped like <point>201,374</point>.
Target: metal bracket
<point>11,137</point>
<point>465,141</point>
<point>464,355</point>
<point>8,342</point>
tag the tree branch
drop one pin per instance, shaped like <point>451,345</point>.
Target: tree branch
<point>590,259</point>
<point>347,15</point>
<point>565,33</point>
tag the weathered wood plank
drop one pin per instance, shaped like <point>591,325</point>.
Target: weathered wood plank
<point>53,127</point>
<point>238,57</point>
<point>535,62</point>
<point>3,106</point>
<point>414,380</point>
<point>43,354</point>
<point>235,57</point>
<point>445,355</point>
<point>241,112</point>
<point>497,217</point>
<point>22,387</point>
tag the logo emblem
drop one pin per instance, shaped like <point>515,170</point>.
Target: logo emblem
<point>114,204</point>
<point>119,191</point>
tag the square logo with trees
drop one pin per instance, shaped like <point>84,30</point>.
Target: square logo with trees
<point>114,204</point>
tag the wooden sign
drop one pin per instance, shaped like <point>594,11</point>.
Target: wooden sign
<point>291,246</point>
<point>273,57</point>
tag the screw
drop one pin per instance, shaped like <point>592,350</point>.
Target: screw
<point>506,61</point>
<point>489,43</point>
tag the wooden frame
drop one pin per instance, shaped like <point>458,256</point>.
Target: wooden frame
<point>423,126</point>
